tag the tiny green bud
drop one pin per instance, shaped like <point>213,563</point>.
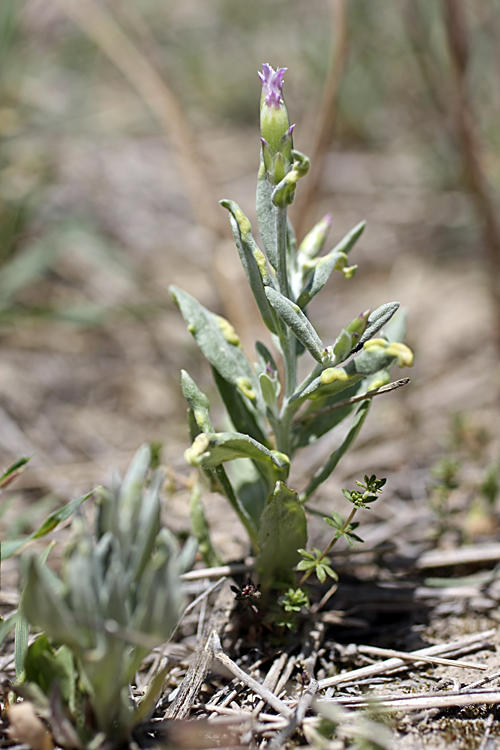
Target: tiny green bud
<point>357,327</point>
<point>275,128</point>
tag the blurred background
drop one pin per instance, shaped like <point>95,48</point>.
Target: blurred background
<point>123,122</point>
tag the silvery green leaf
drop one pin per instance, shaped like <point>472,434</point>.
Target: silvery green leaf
<point>148,526</point>
<point>47,609</point>
<point>332,462</point>
<point>376,321</point>
<point>130,493</point>
<point>82,591</point>
<point>347,243</point>
<point>282,532</point>
<point>220,344</point>
<point>323,269</point>
<point>266,216</point>
<point>268,391</point>
<point>395,330</point>
<point>210,450</point>
<point>198,402</point>
<point>159,598</point>
<point>21,635</point>
<point>252,260</point>
<point>295,319</point>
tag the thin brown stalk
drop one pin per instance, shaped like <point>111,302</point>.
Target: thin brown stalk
<point>471,153</point>
<point>326,118</point>
<point>100,26</point>
<point>353,400</point>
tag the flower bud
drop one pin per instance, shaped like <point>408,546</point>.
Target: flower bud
<point>275,128</point>
<point>313,242</point>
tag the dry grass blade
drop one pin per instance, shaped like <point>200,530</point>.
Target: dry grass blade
<point>217,572</point>
<point>255,686</point>
<point>421,702</point>
<point>390,653</point>
<point>469,642</point>
<point>303,707</point>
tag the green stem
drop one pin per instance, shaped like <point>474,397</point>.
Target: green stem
<point>345,525</point>
<point>235,503</point>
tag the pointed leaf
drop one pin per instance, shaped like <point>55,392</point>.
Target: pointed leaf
<point>44,607</point>
<point>198,402</point>
<point>376,322</point>
<point>266,216</point>
<point>283,531</point>
<point>220,344</point>
<point>252,259</point>
<point>211,449</point>
<point>295,319</point>
<point>324,267</point>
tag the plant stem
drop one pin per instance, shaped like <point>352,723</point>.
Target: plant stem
<point>345,525</point>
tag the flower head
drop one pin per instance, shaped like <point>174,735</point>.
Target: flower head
<point>275,128</point>
<point>272,85</point>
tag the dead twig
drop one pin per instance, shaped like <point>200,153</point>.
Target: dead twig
<point>254,686</point>
<point>462,645</point>
<point>419,702</point>
<point>389,653</point>
<point>352,400</point>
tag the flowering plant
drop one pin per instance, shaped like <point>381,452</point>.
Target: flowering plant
<point>273,414</point>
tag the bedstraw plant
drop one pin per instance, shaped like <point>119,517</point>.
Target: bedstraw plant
<point>273,412</point>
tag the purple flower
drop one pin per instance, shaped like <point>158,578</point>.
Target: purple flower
<point>275,129</point>
<point>272,85</point>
